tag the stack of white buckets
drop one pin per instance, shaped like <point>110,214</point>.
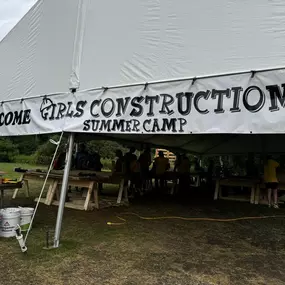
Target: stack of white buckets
<point>11,217</point>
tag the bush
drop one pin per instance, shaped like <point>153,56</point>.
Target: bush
<point>107,163</point>
<point>106,149</point>
<point>8,150</point>
<point>25,159</point>
<point>45,152</point>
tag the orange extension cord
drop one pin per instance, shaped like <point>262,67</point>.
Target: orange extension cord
<point>124,221</point>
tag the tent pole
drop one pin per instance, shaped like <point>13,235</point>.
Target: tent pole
<point>63,191</point>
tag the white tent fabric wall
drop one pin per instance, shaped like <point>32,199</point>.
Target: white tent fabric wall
<point>133,41</point>
<point>36,56</point>
<point>63,44</point>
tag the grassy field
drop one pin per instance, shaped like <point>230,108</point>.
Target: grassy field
<point>9,169</point>
<point>150,251</point>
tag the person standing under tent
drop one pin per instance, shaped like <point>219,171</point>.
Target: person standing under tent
<point>145,162</point>
<point>129,164</point>
<point>94,164</point>
<point>161,165</point>
<point>59,162</point>
<point>271,181</point>
<point>119,164</point>
<point>82,158</point>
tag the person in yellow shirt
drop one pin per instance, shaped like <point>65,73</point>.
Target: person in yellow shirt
<point>161,165</point>
<point>271,181</point>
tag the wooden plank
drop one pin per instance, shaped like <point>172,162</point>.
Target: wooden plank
<point>120,194</point>
<point>216,195</point>
<point>237,183</point>
<point>51,192</point>
<point>257,195</point>
<point>125,191</point>
<point>235,199</point>
<point>88,197</point>
<point>96,196</point>
<point>252,195</point>
<point>67,204</point>
<point>17,189</point>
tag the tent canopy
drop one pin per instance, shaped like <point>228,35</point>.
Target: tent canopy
<point>36,56</point>
<point>203,145</point>
<point>63,44</point>
<point>144,70</point>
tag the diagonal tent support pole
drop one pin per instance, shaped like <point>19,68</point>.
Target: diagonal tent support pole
<point>63,191</point>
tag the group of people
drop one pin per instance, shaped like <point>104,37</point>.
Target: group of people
<point>82,160</point>
<point>139,172</point>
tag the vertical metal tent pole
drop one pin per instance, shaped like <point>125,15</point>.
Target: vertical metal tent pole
<point>63,191</point>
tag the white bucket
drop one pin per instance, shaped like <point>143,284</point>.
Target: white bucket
<point>9,219</point>
<point>26,217</point>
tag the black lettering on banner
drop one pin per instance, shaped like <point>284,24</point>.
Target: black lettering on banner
<point>17,118</point>
<point>128,126</point>
<point>61,110</point>
<point>52,116</point>
<point>138,109</point>
<point>183,122</point>
<point>94,104</point>
<point>105,125</point>
<point>69,113</point>
<point>8,118</point>
<point>47,106</point>
<point>122,105</point>
<point>169,125</point>
<point>136,126</point>
<point>275,93</point>
<point>145,124</point>
<point>118,125</point>
<point>109,113</point>
<point>86,125</point>
<point>80,109</point>
<point>95,125</point>
<point>220,94</point>
<point>202,94</point>
<point>2,116</point>
<point>168,100</point>
<point>259,105</point>
<point>237,91</point>
<point>188,96</point>
<point>27,117</point>
<point>151,100</point>
<point>155,127</point>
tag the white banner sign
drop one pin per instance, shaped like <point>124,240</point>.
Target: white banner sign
<point>247,103</point>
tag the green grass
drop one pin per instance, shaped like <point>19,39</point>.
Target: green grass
<point>148,252</point>
<point>8,168</point>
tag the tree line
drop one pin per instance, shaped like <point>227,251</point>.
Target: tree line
<point>38,150</point>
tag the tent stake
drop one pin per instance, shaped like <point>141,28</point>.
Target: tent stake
<point>63,191</point>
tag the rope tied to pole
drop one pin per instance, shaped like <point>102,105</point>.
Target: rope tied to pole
<point>44,184</point>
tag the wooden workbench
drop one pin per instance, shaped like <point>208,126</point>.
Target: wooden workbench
<point>81,179</point>
<point>247,182</point>
<point>8,187</point>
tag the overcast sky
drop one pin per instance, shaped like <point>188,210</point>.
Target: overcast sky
<point>11,11</point>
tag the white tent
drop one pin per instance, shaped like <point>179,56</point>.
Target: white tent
<point>145,70</point>
<point>157,67</point>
